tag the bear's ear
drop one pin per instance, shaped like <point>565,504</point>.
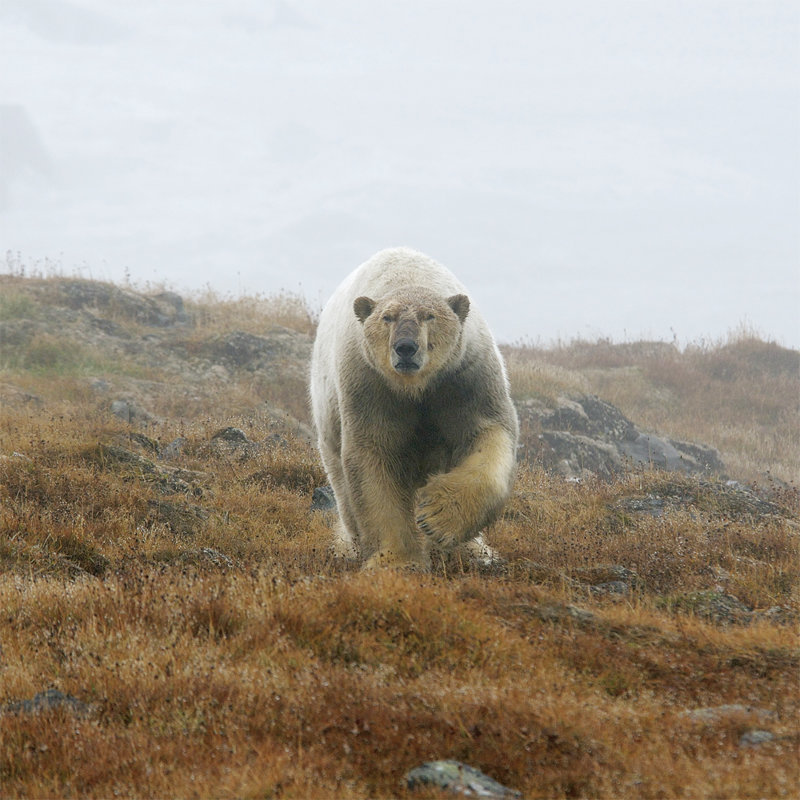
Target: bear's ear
<point>460,304</point>
<point>363,307</point>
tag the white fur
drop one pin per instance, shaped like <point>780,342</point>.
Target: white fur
<point>379,512</point>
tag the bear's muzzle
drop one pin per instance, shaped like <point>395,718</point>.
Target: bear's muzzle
<point>405,355</point>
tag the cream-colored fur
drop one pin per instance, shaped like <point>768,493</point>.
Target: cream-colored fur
<point>416,428</point>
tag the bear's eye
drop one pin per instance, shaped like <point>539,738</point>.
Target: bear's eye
<point>430,318</point>
<point>387,318</point>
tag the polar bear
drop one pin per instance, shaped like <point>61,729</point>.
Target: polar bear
<point>410,399</point>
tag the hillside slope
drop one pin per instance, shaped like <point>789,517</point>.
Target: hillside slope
<point>174,624</point>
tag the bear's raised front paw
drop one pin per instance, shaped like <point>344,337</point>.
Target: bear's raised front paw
<point>439,517</point>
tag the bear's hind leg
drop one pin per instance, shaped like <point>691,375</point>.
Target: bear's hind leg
<point>346,543</point>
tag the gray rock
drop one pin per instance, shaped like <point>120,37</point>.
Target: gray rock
<point>709,496</point>
<point>167,480</point>
<point>271,352</point>
<point>323,499</point>
<point>158,311</point>
<point>652,451</point>
<point>174,449</point>
<point>706,458</point>
<point>46,701</point>
<point>122,409</point>
<point>607,574</point>
<point>755,738</point>
<point>183,519</point>
<point>576,456</point>
<point>588,415</point>
<point>714,606</point>
<point>207,557</point>
<point>736,499</point>
<point>173,300</point>
<point>556,612</point>
<point>106,326</point>
<point>779,615</point>
<point>716,714</point>
<point>652,505</point>
<point>130,411</point>
<point>242,349</point>
<point>145,442</point>
<point>584,436</point>
<point>613,588</point>
<point>458,778</point>
<point>232,442</point>
<point>235,437</point>
<point>16,456</point>
<point>99,384</point>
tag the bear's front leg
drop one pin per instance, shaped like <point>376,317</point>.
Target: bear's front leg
<point>383,505</point>
<point>453,506</point>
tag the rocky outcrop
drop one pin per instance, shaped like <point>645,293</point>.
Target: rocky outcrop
<point>583,435</point>
<point>80,320</point>
<point>160,310</point>
<point>240,350</point>
<point>723,609</point>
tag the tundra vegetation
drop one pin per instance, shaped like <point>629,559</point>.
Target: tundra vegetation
<point>165,582</point>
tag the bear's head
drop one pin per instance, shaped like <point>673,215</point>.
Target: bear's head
<point>410,336</point>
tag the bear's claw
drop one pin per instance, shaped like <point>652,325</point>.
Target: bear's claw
<point>424,527</point>
<point>439,515</point>
<point>441,538</point>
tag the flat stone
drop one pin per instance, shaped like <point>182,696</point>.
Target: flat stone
<point>46,701</point>
<point>716,714</point>
<point>232,436</point>
<point>458,778</point>
<point>182,519</point>
<point>130,411</point>
<point>716,607</point>
<point>755,738</point>
<point>618,588</point>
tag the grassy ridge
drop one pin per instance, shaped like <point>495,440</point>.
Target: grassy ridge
<point>189,601</point>
<point>738,394</point>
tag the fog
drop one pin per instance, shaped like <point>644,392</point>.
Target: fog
<point>625,169</point>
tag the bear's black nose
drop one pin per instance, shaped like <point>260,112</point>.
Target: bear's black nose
<point>405,348</point>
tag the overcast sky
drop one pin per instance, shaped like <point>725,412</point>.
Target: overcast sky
<point>622,169</point>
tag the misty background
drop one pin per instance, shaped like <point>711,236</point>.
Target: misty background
<point>625,169</point>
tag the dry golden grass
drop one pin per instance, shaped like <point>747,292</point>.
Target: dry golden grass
<point>219,314</point>
<point>192,604</point>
